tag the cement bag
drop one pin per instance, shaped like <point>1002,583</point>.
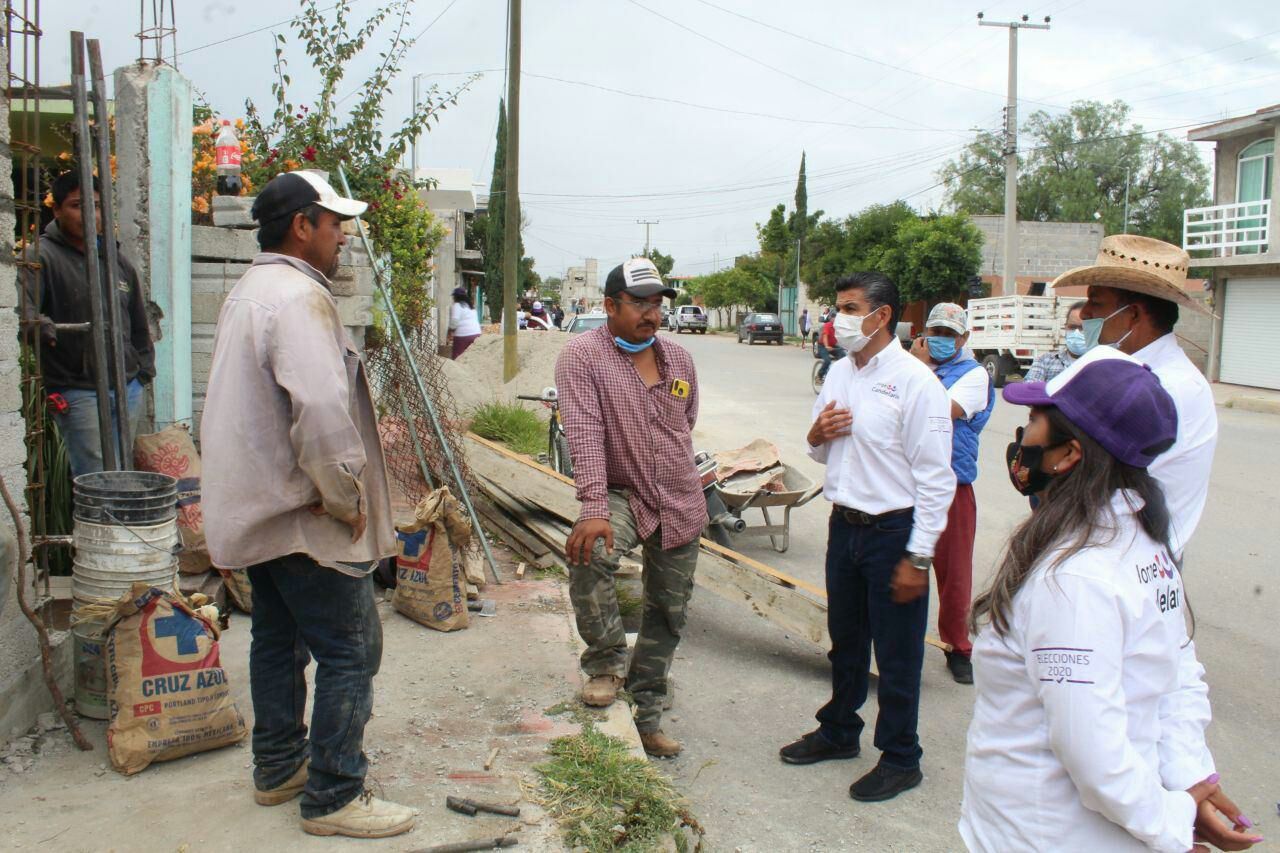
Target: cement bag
<point>171,451</point>
<point>167,692</point>
<point>431,582</point>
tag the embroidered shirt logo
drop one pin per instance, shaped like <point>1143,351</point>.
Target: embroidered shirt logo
<point>888,389</point>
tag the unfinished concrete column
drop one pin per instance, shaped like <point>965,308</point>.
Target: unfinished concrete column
<point>153,157</point>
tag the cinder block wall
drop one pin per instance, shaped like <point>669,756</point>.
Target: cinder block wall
<point>1045,249</point>
<point>219,256</point>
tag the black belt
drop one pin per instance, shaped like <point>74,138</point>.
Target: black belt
<point>858,518</point>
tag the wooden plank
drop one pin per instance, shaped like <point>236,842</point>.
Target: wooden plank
<point>520,475</point>
<point>786,607</point>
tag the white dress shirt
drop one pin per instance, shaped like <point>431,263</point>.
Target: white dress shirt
<point>1090,715</point>
<point>1183,470</point>
<point>971,392</point>
<point>898,454</point>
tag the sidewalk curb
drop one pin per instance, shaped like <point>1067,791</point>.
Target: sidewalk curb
<point>1247,403</point>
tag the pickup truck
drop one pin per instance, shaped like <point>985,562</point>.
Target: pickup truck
<point>687,318</point>
<point>1008,333</point>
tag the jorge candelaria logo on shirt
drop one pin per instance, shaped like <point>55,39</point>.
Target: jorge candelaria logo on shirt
<point>1160,570</point>
<point>888,389</point>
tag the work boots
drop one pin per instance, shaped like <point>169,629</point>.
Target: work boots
<point>601,690</point>
<point>659,745</point>
<point>285,791</point>
<point>364,817</point>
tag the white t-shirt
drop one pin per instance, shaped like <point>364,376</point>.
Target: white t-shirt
<point>1088,725</point>
<point>463,321</point>
<point>971,391</point>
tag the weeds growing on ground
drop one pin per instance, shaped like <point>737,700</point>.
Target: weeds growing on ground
<point>513,425</point>
<point>606,799</point>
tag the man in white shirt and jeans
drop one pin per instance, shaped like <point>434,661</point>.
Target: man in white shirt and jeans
<point>1135,289</point>
<point>882,426</point>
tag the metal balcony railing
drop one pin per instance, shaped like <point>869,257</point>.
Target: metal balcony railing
<point>1225,230</point>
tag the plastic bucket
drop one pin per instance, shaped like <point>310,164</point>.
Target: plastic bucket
<point>125,497</point>
<point>110,558</point>
<point>89,649</point>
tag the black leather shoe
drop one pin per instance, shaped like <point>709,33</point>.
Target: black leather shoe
<point>961,668</point>
<point>813,748</point>
<point>884,783</point>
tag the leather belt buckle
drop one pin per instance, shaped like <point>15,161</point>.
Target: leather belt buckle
<point>857,517</point>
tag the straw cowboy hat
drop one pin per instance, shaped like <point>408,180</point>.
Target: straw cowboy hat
<point>1140,264</point>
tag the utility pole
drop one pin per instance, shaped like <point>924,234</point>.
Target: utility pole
<point>646,223</point>
<point>413,158</point>
<point>1010,285</point>
<point>1127,177</point>
<point>511,200</point>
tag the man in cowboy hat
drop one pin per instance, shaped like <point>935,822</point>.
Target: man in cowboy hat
<point>1135,290</point>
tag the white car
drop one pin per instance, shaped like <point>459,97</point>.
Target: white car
<point>585,322</point>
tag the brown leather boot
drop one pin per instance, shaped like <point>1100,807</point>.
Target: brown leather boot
<point>659,745</point>
<point>601,690</point>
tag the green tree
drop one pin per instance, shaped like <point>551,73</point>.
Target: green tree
<point>932,258</point>
<point>551,288</point>
<point>1078,164</point>
<point>664,263</point>
<point>800,221</point>
<point>855,243</point>
<point>492,226</point>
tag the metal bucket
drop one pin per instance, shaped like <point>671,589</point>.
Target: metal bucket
<point>125,497</point>
<point>89,649</point>
<point>110,559</point>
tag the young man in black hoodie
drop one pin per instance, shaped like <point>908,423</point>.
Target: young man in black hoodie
<point>59,293</point>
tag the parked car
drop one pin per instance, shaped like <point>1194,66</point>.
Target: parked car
<point>760,327</point>
<point>585,323</point>
<point>688,318</point>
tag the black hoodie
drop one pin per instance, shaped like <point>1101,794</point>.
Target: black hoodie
<point>61,294</point>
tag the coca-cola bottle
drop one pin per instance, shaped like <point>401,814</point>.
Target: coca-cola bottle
<point>227,154</point>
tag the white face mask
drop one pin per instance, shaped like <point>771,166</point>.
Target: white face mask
<point>848,329</point>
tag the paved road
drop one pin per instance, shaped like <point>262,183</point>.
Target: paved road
<point>745,688</point>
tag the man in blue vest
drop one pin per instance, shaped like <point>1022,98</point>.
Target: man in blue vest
<point>972,399</point>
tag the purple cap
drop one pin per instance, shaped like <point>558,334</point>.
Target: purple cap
<point>1114,399</point>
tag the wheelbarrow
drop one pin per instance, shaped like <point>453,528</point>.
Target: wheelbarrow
<point>748,491</point>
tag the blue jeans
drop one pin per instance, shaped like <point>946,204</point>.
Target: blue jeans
<point>860,563</point>
<point>79,426</point>
<point>302,609</point>
<point>827,356</point>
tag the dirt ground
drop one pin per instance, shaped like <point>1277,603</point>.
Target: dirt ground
<point>442,702</point>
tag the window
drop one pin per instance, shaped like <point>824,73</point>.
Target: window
<point>1253,184</point>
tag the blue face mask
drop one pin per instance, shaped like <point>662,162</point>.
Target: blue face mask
<point>1093,330</point>
<point>627,346</point>
<point>1076,343</point>
<point>941,349</point>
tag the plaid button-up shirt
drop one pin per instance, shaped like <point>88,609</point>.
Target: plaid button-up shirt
<point>627,437</point>
<point>1048,366</point>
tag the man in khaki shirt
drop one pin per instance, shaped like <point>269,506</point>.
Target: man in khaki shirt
<point>295,491</point>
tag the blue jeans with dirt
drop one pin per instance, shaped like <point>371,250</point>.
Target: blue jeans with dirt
<point>79,426</point>
<point>303,610</point>
<point>860,563</point>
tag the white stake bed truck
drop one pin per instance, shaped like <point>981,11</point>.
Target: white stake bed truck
<point>1008,333</point>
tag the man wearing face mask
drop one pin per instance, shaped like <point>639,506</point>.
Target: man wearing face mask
<point>630,401</point>
<point>1135,289</point>
<point>882,426</point>
<point>972,399</point>
<point>1051,364</point>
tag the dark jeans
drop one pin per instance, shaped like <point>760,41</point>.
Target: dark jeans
<point>301,609</point>
<point>828,355</point>
<point>860,563</point>
<point>79,426</point>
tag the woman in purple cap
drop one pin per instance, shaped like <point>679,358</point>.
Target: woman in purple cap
<point>1088,730</point>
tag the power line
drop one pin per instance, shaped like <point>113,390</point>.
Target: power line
<point>435,19</point>
<point>258,30</point>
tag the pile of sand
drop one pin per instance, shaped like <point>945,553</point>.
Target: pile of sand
<point>476,377</point>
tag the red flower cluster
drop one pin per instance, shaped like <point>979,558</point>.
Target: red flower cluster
<point>309,154</point>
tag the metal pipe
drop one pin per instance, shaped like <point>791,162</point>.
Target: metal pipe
<point>385,290</point>
<point>84,154</point>
<point>117,342</point>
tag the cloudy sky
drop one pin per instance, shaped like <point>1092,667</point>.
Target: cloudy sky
<point>694,112</point>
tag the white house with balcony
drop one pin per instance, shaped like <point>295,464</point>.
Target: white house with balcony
<point>1238,240</point>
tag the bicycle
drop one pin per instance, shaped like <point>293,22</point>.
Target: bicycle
<point>557,455</point>
<point>819,378</point>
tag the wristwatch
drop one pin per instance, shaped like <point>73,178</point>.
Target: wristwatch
<point>920,561</point>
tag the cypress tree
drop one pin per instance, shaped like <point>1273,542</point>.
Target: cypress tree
<point>494,228</point>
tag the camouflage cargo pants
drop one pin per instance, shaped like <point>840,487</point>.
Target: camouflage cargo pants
<point>668,582</point>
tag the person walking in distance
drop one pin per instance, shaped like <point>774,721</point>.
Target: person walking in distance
<point>59,293</point>
<point>1135,289</point>
<point>464,325</point>
<point>295,490</point>
<point>972,400</point>
<point>629,402</point>
<point>805,325</point>
<point>1088,731</point>
<point>1051,364</point>
<point>882,426</point>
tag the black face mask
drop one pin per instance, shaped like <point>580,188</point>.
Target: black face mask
<point>1025,466</point>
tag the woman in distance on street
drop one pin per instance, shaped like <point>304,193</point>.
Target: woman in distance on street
<point>1088,728</point>
<point>464,325</point>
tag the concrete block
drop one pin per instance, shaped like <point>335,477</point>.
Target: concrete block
<point>344,282</point>
<point>223,244</point>
<point>355,311</point>
<point>205,307</point>
<point>233,211</point>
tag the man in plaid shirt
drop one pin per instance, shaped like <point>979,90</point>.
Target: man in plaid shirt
<point>629,403</point>
<point>1051,364</point>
